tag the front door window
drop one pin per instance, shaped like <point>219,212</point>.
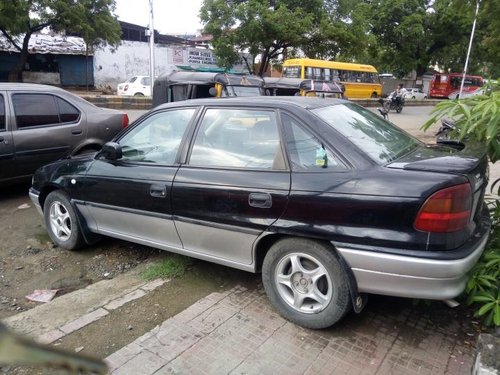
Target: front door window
<point>157,139</point>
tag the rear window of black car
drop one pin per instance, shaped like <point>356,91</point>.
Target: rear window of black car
<point>42,109</point>
<point>380,140</point>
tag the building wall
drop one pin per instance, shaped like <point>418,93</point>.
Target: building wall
<point>112,66</point>
<point>41,68</point>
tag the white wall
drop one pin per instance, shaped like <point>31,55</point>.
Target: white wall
<point>132,58</point>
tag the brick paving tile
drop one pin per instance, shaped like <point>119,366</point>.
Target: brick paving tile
<point>143,363</point>
<point>238,332</point>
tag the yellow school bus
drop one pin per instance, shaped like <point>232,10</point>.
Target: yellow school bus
<point>360,80</point>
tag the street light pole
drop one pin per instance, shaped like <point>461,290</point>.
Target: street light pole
<point>468,51</point>
<point>151,47</point>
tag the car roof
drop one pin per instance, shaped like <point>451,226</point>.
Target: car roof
<point>28,86</point>
<point>259,101</point>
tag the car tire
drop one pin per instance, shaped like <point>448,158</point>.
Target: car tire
<point>61,221</point>
<point>138,94</point>
<point>374,95</point>
<point>306,282</point>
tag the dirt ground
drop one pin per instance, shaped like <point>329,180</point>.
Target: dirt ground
<point>29,260</point>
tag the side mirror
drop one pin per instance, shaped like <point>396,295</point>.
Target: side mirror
<point>111,151</point>
<point>212,91</point>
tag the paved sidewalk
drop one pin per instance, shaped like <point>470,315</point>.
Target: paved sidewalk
<point>238,332</point>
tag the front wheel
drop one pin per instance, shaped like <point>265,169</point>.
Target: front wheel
<point>306,282</point>
<point>61,221</point>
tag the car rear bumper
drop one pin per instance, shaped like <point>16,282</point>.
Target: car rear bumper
<point>414,277</point>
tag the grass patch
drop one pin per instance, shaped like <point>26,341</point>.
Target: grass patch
<point>173,266</point>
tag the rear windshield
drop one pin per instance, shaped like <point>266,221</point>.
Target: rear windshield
<point>380,140</point>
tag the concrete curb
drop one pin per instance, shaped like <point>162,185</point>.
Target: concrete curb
<point>488,355</point>
<point>132,102</point>
<point>51,321</point>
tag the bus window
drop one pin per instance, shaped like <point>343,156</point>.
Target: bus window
<point>291,71</point>
<point>309,73</point>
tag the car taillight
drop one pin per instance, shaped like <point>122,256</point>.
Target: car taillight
<point>125,120</point>
<point>447,210</point>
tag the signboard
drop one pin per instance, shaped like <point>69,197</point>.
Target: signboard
<point>201,57</point>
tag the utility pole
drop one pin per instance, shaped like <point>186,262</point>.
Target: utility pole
<point>468,50</point>
<point>151,47</point>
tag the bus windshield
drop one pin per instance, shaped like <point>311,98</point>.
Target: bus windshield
<point>291,72</point>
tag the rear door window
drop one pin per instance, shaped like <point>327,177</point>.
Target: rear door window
<point>306,151</point>
<point>238,138</point>
<point>33,110</point>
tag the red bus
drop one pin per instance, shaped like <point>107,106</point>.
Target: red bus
<point>448,85</point>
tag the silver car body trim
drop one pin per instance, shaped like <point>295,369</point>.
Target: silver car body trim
<point>406,276</point>
<point>227,242</point>
<point>160,231</point>
<point>128,224</point>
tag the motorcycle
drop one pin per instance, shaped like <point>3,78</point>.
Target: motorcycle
<point>394,102</point>
<point>447,127</point>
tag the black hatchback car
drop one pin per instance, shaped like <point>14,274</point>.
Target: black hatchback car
<point>327,200</point>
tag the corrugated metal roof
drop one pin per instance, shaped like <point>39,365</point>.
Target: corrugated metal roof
<point>47,43</point>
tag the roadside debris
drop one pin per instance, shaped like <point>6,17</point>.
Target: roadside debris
<point>42,295</point>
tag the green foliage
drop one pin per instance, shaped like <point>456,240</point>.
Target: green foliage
<point>93,19</point>
<point>173,266</point>
<point>256,27</point>
<point>477,118</point>
<point>483,286</point>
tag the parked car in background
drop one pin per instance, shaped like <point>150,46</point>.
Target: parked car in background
<point>40,124</point>
<point>323,197</point>
<point>135,86</point>
<point>415,94</point>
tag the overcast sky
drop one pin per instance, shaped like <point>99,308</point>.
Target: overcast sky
<point>170,16</point>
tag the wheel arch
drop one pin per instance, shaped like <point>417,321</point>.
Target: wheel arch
<point>89,237</point>
<point>89,144</point>
<point>263,245</point>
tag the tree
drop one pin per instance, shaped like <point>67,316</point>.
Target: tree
<point>261,27</point>
<point>93,19</point>
<point>413,34</point>
<point>342,34</point>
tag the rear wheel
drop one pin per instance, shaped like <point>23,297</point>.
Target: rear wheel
<point>306,283</point>
<point>399,108</point>
<point>61,221</point>
<point>374,95</point>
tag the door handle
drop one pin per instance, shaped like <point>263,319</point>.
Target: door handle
<point>76,131</point>
<point>158,191</point>
<point>260,200</point>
